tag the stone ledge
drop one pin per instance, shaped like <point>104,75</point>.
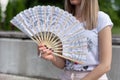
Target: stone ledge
<point>21,35</point>
<point>13,34</point>
<point>116,39</point>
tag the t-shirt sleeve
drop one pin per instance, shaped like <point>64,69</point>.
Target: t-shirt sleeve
<point>103,21</point>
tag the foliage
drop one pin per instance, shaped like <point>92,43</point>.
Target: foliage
<point>15,6</point>
<point>0,18</point>
<point>106,6</point>
<point>31,3</point>
<point>117,2</point>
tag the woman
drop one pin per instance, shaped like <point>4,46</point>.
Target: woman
<point>98,26</point>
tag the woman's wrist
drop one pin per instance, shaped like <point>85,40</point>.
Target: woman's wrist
<point>54,59</point>
<point>58,62</point>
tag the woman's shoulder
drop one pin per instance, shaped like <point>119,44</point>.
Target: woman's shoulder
<point>102,15</point>
<point>103,20</point>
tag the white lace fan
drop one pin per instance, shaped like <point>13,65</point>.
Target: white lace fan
<point>55,28</point>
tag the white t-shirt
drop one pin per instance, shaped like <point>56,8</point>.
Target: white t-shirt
<point>92,35</point>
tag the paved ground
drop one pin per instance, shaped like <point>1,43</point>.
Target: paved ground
<point>14,77</point>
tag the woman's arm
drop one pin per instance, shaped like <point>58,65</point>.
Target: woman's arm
<point>105,55</point>
<point>59,62</point>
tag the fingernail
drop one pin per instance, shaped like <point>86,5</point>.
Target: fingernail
<point>50,48</point>
<point>45,45</point>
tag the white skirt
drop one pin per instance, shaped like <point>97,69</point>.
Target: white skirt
<point>74,75</point>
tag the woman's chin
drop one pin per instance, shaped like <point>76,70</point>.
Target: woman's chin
<point>75,2</point>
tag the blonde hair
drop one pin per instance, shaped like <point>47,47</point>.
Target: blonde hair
<point>89,12</point>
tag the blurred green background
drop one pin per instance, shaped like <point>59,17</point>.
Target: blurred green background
<point>9,8</point>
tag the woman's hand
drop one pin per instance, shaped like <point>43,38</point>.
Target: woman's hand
<point>46,53</point>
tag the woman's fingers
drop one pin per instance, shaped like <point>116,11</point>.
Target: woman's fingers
<point>50,57</point>
<point>46,52</point>
<point>42,48</point>
<point>41,45</point>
